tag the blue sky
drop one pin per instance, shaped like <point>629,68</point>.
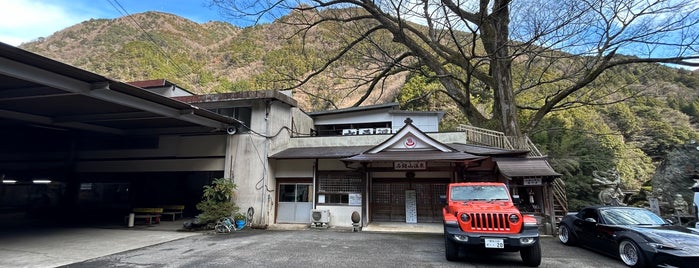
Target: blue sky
<point>26,20</point>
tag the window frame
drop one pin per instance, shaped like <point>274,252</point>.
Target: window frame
<point>338,186</point>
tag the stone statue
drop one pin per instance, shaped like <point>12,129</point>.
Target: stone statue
<point>680,205</point>
<point>611,181</point>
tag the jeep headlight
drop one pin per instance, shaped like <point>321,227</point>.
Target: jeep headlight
<point>514,218</point>
<point>465,217</point>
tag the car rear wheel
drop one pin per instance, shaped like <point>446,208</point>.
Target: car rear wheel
<point>565,236</point>
<point>531,256</point>
<point>631,254</point>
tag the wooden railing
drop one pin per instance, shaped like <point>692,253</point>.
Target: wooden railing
<point>559,194</point>
<point>498,139</point>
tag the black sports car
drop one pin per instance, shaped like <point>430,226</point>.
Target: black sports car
<point>637,236</point>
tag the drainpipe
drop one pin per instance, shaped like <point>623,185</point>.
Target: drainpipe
<point>315,184</point>
<point>268,106</point>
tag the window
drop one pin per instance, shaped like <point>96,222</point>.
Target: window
<point>335,187</point>
<point>336,130</point>
<point>479,193</point>
<point>294,192</point>
<point>244,114</point>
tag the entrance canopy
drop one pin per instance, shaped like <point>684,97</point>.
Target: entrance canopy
<point>525,167</point>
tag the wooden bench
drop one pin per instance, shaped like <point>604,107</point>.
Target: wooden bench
<point>150,215</point>
<point>173,210</point>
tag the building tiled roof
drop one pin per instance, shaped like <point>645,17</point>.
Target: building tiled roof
<point>332,152</point>
<point>432,155</point>
<point>525,167</point>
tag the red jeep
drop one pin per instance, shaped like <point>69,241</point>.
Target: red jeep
<point>481,215</point>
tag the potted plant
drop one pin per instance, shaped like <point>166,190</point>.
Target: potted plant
<point>240,220</point>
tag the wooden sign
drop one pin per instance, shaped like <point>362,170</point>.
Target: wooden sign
<point>410,165</point>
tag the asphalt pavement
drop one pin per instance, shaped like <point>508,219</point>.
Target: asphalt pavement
<point>281,246</point>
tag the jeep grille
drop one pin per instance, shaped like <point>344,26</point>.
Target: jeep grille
<point>490,221</point>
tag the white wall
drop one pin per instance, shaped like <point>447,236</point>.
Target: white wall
<point>331,165</point>
<point>341,216</point>
<point>379,115</point>
<point>424,122</point>
<point>302,168</point>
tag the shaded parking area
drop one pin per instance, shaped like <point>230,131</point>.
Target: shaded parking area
<point>79,146</point>
<point>49,245</point>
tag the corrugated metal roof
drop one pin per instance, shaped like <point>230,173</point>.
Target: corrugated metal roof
<point>525,167</point>
<point>151,83</point>
<point>334,152</point>
<point>238,97</point>
<point>39,90</point>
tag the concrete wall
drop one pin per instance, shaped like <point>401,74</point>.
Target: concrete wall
<point>174,153</point>
<point>302,123</point>
<point>249,164</point>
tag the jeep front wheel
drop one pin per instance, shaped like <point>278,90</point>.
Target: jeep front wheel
<point>531,255</point>
<point>451,249</point>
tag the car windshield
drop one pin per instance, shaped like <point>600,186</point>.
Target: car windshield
<point>472,193</point>
<point>630,216</point>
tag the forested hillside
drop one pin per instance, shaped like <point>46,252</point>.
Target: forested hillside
<point>649,110</point>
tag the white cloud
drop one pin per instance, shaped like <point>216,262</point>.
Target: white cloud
<point>26,20</point>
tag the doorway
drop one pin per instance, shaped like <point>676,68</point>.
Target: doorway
<point>295,202</point>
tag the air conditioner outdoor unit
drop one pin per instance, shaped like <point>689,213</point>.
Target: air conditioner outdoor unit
<point>320,218</point>
<point>349,131</point>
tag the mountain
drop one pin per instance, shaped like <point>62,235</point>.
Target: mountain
<point>203,58</point>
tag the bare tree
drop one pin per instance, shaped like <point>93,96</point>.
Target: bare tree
<point>472,47</point>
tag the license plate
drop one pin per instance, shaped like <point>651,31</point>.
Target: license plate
<point>494,243</point>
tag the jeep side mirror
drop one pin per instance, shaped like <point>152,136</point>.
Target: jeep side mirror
<point>443,199</point>
<point>515,199</point>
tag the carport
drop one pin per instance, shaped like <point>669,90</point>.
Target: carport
<point>77,143</point>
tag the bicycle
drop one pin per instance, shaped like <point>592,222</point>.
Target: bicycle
<point>225,225</point>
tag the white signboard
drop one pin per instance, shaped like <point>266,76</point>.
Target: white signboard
<point>355,199</point>
<point>410,206</point>
<point>532,181</point>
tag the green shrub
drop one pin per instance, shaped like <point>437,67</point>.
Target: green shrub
<point>217,201</point>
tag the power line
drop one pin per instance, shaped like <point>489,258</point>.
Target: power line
<point>125,13</point>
